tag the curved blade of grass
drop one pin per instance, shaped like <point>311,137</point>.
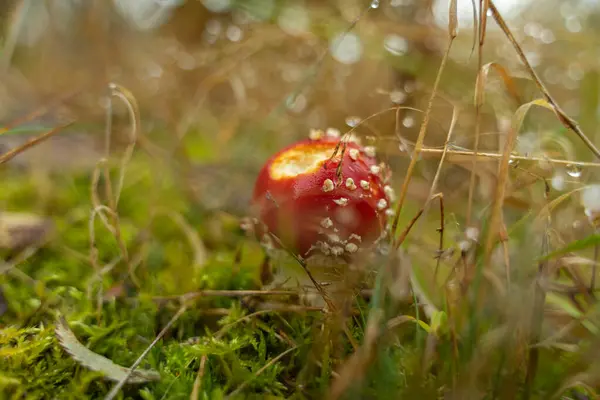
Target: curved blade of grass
<point>577,245</point>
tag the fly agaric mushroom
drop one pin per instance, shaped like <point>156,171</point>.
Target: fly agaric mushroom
<point>324,196</point>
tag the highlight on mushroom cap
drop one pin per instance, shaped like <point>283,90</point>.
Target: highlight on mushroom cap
<point>324,195</point>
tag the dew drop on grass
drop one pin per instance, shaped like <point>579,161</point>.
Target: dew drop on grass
<point>397,96</point>
<point>296,104</point>
<point>533,57</point>
<point>590,199</point>
<point>408,121</point>
<point>217,5</point>
<point>294,20</point>
<point>213,27</point>
<point>375,4</point>
<point>346,48</point>
<point>547,36</point>
<point>574,170</point>
<point>234,33</point>
<point>544,163</point>
<point>573,24</point>
<point>575,71</point>
<point>352,121</point>
<point>395,44</point>
<point>558,182</point>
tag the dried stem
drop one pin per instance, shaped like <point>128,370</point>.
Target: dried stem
<point>9,155</point>
<point>564,119</point>
<point>421,137</point>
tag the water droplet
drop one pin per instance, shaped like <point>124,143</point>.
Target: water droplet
<point>559,182</point>
<point>375,4</point>
<point>397,96</point>
<point>234,33</point>
<point>489,13</point>
<point>410,86</point>
<point>353,121</point>
<point>574,170</point>
<point>186,61</point>
<point>294,20</point>
<point>297,103</point>
<point>213,27</point>
<point>552,75</point>
<point>544,163</point>
<point>472,233</point>
<point>533,29</point>
<point>533,58</point>
<point>575,71</point>
<point>346,48</point>
<point>408,121</point>
<point>395,44</point>
<point>547,36</point>
<point>512,161</point>
<point>154,70</point>
<point>590,198</point>
<point>217,5</point>
<point>573,24</point>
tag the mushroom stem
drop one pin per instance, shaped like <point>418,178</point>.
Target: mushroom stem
<point>337,278</point>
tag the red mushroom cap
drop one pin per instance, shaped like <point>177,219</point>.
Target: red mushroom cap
<point>304,200</point>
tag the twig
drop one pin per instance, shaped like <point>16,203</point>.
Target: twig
<point>492,155</point>
<point>9,155</point>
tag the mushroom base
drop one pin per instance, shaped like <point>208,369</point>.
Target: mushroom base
<point>338,278</point>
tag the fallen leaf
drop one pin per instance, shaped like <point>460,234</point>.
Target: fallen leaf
<point>96,362</point>
<point>20,230</point>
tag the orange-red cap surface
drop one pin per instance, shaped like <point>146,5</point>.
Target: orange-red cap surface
<point>312,205</point>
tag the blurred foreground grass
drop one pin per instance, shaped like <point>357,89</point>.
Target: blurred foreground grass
<point>472,319</point>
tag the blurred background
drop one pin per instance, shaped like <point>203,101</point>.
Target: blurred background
<point>221,79</point>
